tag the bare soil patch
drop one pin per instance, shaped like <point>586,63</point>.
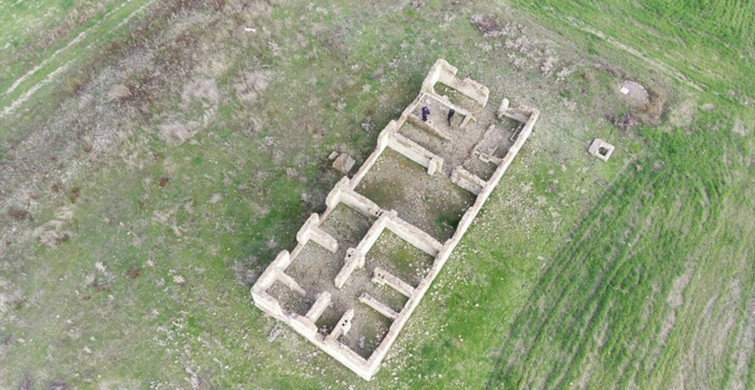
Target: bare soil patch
<point>636,94</point>
<point>432,203</point>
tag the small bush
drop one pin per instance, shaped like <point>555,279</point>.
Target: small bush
<point>17,214</point>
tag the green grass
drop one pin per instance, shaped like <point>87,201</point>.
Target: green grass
<point>600,309</point>
<point>574,269</point>
<point>709,43</point>
<point>446,222</point>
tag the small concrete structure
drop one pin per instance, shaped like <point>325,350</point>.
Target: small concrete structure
<point>343,163</point>
<point>346,281</point>
<point>601,149</point>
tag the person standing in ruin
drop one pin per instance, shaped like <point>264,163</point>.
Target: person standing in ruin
<point>425,113</point>
<point>451,113</point>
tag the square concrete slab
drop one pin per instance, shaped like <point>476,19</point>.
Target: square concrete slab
<point>601,149</point>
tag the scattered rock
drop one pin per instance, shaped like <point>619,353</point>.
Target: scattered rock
<point>18,214</point>
<point>333,155</point>
<point>215,198</point>
<point>118,92</point>
<point>344,163</point>
<point>274,333</point>
<point>340,105</point>
<point>739,128</point>
<point>548,64</point>
<point>195,381</point>
<point>564,73</point>
<point>179,280</point>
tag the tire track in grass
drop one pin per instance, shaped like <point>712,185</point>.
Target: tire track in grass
<point>64,52</point>
<point>601,267</point>
<point>614,275</point>
<point>570,349</point>
<point>665,257</point>
<point>743,374</point>
<point>571,253</point>
<point>716,330</point>
<point>592,355</point>
<point>26,95</point>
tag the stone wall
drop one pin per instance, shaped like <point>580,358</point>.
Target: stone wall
<point>344,192</point>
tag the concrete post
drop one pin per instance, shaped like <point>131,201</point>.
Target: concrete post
<point>502,108</point>
<point>354,259</point>
<point>381,276</point>
<point>378,306</point>
<point>322,303</point>
<point>413,235</point>
<point>435,165</point>
<point>343,326</point>
<point>467,180</point>
<point>311,231</point>
<point>289,282</point>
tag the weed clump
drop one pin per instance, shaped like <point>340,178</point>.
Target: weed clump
<point>652,110</point>
<point>74,193</point>
<point>624,122</point>
<point>487,26</point>
<point>132,272</point>
<point>18,215</point>
<point>648,113</point>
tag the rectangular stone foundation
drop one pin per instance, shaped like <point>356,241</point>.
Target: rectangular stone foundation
<point>355,258</point>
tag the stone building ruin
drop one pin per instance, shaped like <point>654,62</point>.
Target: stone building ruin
<point>361,267</point>
<point>601,149</point>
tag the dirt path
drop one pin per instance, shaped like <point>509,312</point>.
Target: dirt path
<point>54,73</point>
<point>658,65</point>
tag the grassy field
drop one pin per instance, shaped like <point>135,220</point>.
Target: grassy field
<point>153,166</point>
<point>707,44</point>
<point>655,287</point>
